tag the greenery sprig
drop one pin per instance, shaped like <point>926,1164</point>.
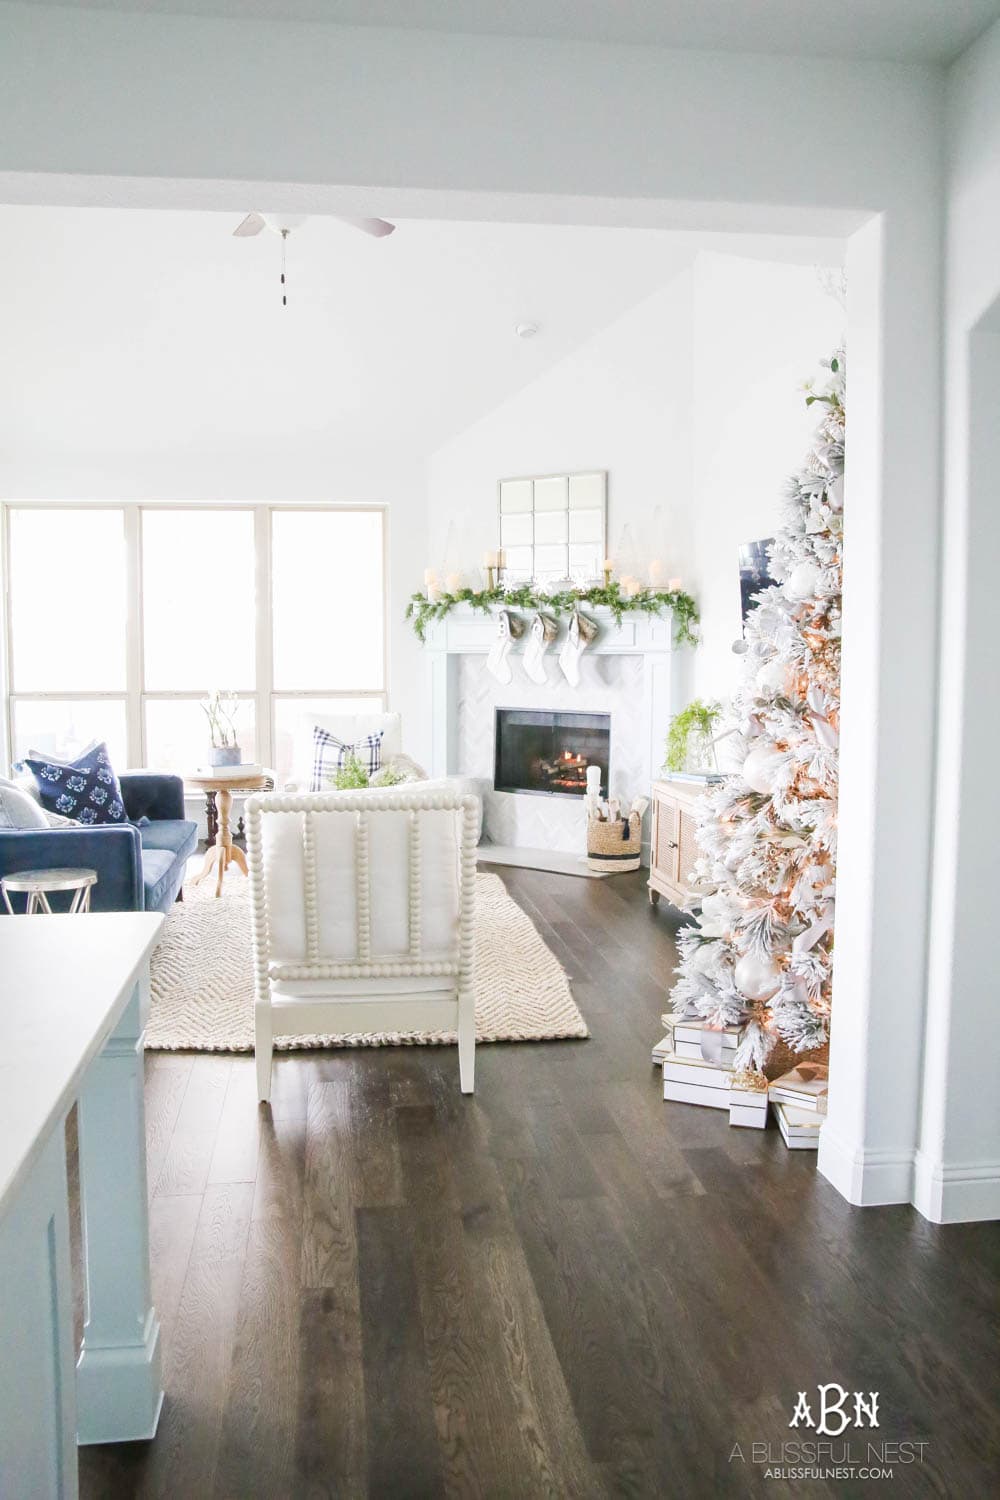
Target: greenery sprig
<point>422,611</point>
<point>698,718</point>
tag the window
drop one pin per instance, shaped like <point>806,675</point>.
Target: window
<point>121,619</point>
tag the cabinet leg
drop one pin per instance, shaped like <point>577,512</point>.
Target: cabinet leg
<point>654,897</point>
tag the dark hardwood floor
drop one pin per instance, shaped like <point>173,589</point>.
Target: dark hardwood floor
<point>561,1287</point>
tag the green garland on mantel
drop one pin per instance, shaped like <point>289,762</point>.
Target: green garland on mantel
<point>422,611</point>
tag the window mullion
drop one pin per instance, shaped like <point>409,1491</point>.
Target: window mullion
<point>135,729</point>
<point>263,636</point>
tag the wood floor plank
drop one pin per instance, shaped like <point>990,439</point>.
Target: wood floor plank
<point>237,1138</point>
<point>331,1446</point>
<point>474,1413</point>
<point>403,1455</point>
<point>329,1255</point>
<point>192,1141</point>
<point>167,1077</point>
<point>199,1349</point>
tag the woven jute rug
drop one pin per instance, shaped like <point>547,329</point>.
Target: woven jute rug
<point>202,988</point>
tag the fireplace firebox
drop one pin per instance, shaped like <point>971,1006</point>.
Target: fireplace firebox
<point>548,753</point>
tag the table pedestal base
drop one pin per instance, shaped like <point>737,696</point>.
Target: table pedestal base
<point>223,852</point>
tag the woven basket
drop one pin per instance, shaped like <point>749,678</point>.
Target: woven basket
<point>614,846</point>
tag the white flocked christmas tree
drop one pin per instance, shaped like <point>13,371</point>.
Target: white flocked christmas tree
<point>760,955</point>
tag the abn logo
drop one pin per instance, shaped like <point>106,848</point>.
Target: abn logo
<point>832,1401</point>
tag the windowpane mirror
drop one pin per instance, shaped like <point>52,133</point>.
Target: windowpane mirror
<point>553,527</point>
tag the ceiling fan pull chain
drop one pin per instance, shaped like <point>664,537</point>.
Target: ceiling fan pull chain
<point>284,240</point>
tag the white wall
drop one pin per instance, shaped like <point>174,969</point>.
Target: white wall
<point>759,331</point>
<point>958,1163</point>
<point>621,402</point>
<point>692,403</point>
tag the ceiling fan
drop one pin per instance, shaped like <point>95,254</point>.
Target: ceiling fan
<point>283,225</point>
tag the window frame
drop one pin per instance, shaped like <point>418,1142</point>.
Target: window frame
<point>135,696</point>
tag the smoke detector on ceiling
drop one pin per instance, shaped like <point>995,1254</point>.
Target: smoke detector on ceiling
<point>526,330</point>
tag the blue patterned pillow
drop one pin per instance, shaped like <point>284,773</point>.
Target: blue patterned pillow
<point>86,788</point>
<point>330,754</point>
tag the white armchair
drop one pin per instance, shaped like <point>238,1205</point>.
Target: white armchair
<point>362,916</point>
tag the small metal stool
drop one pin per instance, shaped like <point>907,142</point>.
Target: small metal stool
<point>38,885</point>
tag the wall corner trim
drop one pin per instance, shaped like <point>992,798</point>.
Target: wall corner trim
<point>956,1192</point>
<point>866,1178</point>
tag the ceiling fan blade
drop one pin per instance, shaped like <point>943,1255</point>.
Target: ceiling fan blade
<point>252,224</point>
<point>378,227</point>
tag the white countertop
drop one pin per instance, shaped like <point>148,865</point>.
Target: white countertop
<point>64,982</point>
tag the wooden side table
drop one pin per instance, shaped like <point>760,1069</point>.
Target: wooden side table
<point>674,845</point>
<point>38,885</point>
<point>224,852</point>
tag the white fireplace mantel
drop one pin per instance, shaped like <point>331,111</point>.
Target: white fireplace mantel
<point>634,671</point>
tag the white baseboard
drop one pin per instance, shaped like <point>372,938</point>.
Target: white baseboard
<point>867,1178</point>
<point>956,1192</point>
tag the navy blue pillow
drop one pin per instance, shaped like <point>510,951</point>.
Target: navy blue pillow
<point>86,788</point>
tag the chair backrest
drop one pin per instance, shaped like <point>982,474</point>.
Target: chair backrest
<point>348,728</point>
<point>362,884</point>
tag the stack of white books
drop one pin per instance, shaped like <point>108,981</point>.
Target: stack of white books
<point>804,1087</point>
<point>798,1099</point>
<point>748,1103</point>
<point>799,1128</point>
<point>689,1082</point>
<point>230,773</point>
<point>691,1038</point>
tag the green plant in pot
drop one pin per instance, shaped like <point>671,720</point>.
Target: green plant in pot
<point>689,737</point>
<point>220,710</point>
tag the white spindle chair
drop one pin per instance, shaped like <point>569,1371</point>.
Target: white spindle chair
<point>363,916</point>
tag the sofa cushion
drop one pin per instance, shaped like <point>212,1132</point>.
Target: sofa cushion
<point>85,788</point>
<point>178,836</point>
<point>158,866</point>
<point>166,847</point>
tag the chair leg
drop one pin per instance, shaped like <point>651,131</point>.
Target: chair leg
<point>263,1044</point>
<point>467,1042</point>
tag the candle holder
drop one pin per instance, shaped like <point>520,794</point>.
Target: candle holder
<point>607,576</point>
<point>491,577</point>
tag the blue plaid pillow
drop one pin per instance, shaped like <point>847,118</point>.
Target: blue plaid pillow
<point>330,754</point>
<point>86,788</point>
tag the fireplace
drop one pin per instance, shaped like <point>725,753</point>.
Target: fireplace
<point>547,754</point>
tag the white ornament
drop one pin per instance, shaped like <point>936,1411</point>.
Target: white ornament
<point>772,675</point>
<point>756,978</point>
<point>802,581</point>
<point>761,767</point>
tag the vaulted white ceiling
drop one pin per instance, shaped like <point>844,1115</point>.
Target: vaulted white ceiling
<point>156,332</point>
<point>917,30</point>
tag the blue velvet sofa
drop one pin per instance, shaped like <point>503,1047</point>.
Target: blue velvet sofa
<point>140,864</point>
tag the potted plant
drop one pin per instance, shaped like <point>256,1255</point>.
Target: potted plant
<point>689,739</point>
<point>220,710</point>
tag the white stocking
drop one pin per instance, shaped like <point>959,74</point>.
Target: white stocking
<point>497,662</point>
<point>579,636</point>
<point>542,633</point>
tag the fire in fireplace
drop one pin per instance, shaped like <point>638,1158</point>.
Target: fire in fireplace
<point>548,753</point>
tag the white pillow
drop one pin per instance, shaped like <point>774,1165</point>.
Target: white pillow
<point>348,728</point>
<point>18,809</point>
